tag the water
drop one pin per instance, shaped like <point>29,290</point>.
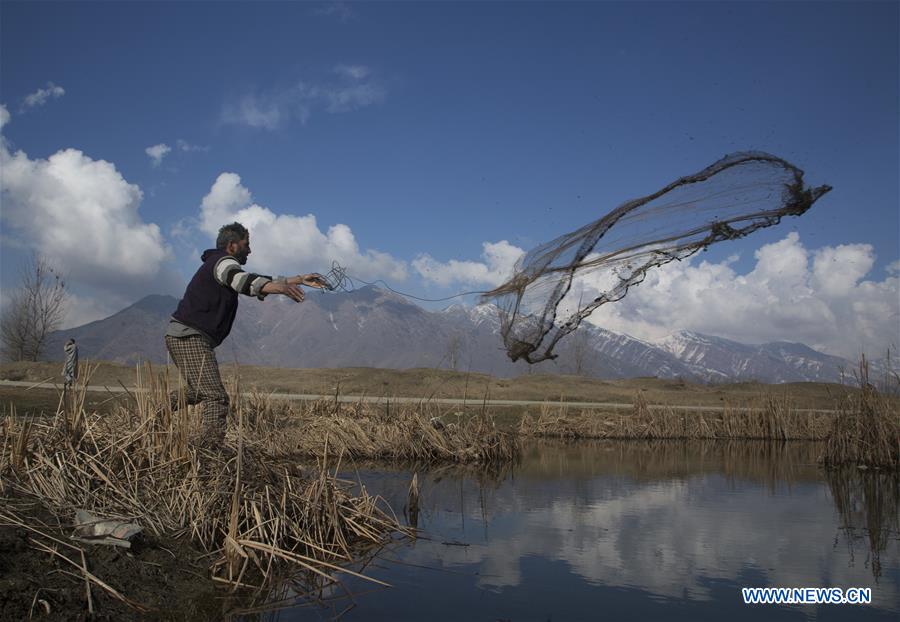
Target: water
<point>631,530</point>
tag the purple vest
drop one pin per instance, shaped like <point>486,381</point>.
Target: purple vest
<point>208,306</point>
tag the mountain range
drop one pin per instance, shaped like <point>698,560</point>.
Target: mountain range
<point>371,327</point>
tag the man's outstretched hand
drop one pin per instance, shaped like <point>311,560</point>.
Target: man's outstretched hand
<point>285,288</point>
<point>288,287</point>
<point>309,280</point>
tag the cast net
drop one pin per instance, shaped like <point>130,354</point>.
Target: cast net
<point>558,284</point>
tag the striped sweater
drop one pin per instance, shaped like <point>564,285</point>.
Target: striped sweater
<point>228,272</point>
<point>210,301</point>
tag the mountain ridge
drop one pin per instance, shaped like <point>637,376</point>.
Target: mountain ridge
<point>376,328</point>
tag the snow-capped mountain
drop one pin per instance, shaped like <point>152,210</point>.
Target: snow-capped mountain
<point>374,328</point>
<point>715,358</point>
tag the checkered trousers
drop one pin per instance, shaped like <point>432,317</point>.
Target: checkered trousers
<point>196,360</point>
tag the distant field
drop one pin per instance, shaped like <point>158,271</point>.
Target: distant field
<point>433,383</point>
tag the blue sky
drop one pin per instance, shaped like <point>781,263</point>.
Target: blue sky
<point>434,128</point>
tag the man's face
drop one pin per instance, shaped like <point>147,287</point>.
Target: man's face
<point>240,250</point>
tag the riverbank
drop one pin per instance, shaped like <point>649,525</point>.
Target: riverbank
<point>252,520</point>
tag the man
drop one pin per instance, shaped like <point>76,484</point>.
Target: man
<point>204,317</point>
<point>70,367</point>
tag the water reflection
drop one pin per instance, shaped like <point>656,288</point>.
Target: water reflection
<point>650,529</point>
<point>867,503</point>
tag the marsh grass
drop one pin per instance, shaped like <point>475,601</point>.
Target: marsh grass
<point>419,433</point>
<point>866,431</point>
<point>777,419</point>
<point>258,518</point>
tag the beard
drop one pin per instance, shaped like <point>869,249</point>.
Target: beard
<point>241,257</point>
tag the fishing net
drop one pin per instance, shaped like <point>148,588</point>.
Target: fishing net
<point>558,284</point>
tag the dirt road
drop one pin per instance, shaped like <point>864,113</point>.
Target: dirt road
<point>369,399</point>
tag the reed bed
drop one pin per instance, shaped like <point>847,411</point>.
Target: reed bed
<point>866,431</point>
<point>407,432</point>
<point>776,420</point>
<point>258,518</point>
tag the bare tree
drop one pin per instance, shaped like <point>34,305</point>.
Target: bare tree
<point>33,311</point>
<point>580,348</point>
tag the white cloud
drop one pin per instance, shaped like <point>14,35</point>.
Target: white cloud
<point>82,215</point>
<point>157,153</point>
<point>792,294</point>
<point>338,9</point>
<point>354,88</point>
<point>183,229</point>
<point>4,116</point>
<point>81,310</point>
<point>283,243</point>
<point>257,112</point>
<point>40,97</point>
<point>499,260</point>
<point>184,145</point>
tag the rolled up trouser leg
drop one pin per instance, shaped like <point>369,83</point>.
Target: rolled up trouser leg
<point>196,360</point>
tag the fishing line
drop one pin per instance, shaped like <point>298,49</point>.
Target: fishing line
<point>337,279</point>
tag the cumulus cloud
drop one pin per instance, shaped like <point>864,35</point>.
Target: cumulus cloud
<point>157,153</point>
<point>4,116</point>
<point>287,243</point>
<point>499,258</point>
<point>82,215</point>
<point>350,88</point>
<point>40,97</point>
<point>818,297</point>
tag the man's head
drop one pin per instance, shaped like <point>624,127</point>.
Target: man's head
<point>234,239</point>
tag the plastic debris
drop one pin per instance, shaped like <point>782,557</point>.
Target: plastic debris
<point>95,530</point>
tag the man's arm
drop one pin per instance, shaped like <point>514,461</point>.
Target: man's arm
<point>228,272</point>
<point>288,286</point>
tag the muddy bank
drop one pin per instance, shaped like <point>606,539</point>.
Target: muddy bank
<point>168,578</point>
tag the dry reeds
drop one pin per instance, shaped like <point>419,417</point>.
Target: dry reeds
<point>776,420</point>
<point>405,432</point>
<point>255,516</point>
<point>866,431</point>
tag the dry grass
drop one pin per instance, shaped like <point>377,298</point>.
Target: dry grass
<point>255,516</point>
<point>257,513</point>
<point>866,431</point>
<point>442,383</point>
<point>395,432</point>
<point>777,419</point>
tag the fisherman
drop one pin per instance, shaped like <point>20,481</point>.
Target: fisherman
<point>204,317</point>
<point>70,367</point>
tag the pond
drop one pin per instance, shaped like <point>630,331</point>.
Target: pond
<point>630,530</point>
